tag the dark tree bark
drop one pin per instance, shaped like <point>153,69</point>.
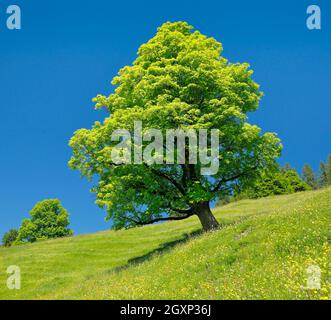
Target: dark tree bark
<point>207,219</point>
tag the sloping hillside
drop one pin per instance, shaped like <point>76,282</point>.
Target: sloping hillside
<point>262,252</point>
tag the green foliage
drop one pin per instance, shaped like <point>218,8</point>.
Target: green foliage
<point>323,175</point>
<point>286,167</point>
<point>285,181</point>
<point>48,220</point>
<point>329,170</point>
<point>179,80</point>
<point>294,182</point>
<point>324,178</point>
<point>9,237</point>
<point>309,176</point>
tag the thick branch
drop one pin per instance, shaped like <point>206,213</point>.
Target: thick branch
<point>173,181</point>
<point>241,174</point>
<point>141,223</point>
<point>182,211</point>
<point>140,185</point>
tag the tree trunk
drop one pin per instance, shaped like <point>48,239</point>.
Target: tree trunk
<point>206,217</point>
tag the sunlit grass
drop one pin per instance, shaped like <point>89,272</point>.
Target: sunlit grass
<point>262,252</point>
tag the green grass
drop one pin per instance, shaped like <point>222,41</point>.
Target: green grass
<point>262,252</point>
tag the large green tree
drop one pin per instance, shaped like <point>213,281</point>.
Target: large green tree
<point>48,220</point>
<point>178,81</point>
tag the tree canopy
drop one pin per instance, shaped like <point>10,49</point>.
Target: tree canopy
<point>178,81</point>
<point>48,220</point>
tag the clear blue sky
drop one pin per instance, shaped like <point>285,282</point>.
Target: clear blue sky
<point>68,51</point>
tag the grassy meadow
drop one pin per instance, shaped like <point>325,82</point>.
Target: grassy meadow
<point>262,252</point>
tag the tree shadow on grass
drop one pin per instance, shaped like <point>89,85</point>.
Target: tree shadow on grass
<point>163,248</point>
<point>167,246</point>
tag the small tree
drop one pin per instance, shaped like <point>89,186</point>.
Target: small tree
<point>309,176</point>
<point>286,167</point>
<point>323,176</point>
<point>328,167</point>
<point>178,81</point>
<point>48,220</point>
<point>9,237</point>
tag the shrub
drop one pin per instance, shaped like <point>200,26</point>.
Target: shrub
<point>274,183</point>
<point>9,237</point>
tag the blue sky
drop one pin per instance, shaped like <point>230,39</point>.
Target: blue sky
<point>67,53</point>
